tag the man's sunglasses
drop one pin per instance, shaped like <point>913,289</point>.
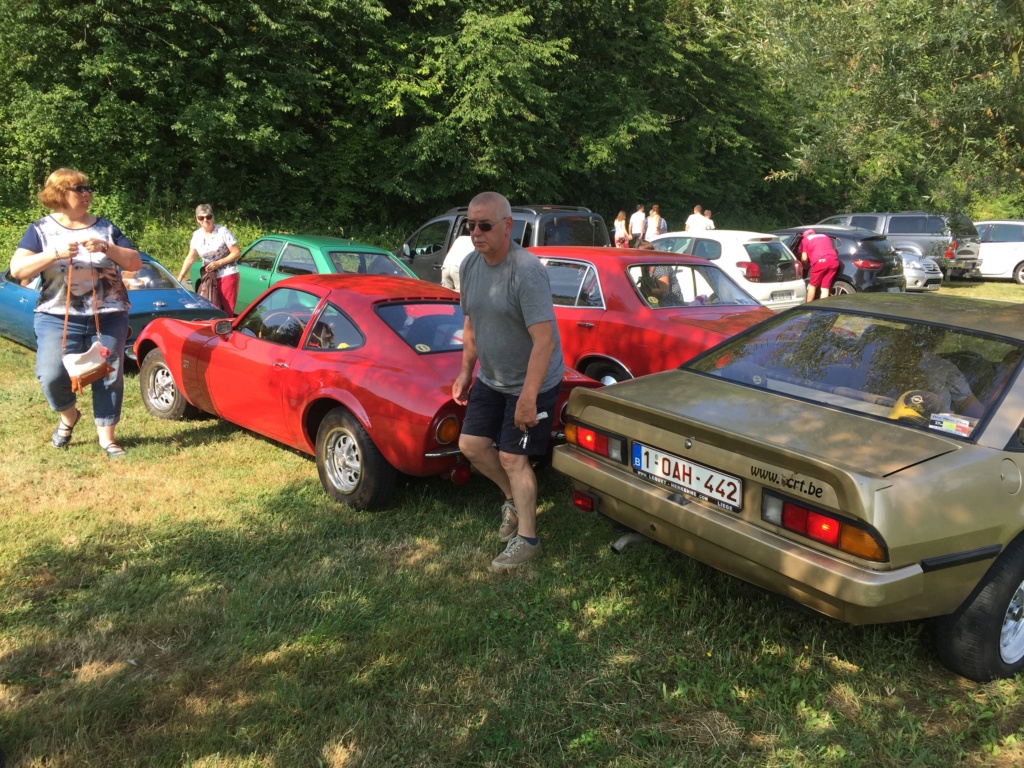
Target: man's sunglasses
<point>203,218</point>
<point>80,188</point>
<point>485,226</point>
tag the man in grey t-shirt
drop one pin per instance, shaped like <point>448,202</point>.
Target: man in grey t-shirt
<point>510,329</point>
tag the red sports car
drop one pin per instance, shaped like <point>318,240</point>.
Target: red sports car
<point>625,312</point>
<point>354,369</point>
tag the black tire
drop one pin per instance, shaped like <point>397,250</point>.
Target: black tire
<point>984,638</point>
<point>1018,274</point>
<point>606,370</point>
<point>352,470</point>
<point>840,288</point>
<point>160,394</point>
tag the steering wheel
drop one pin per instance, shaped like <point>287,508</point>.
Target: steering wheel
<point>321,337</point>
<point>298,318</point>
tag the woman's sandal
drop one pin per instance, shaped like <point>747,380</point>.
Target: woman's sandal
<point>62,434</point>
<point>114,451</point>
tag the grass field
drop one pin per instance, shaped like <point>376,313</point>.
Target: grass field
<point>202,603</point>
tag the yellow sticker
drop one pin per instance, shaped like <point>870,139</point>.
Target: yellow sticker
<point>343,345</point>
<point>422,348</point>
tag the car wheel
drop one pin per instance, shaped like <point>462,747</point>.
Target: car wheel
<point>841,287</point>
<point>606,372</point>
<point>352,469</point>
<point>984,638</point>
<point>1018,274</point>
<point>160,394</point>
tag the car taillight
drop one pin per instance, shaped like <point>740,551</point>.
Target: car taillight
<point>867,264</point>
<point>951,250</point>
<point>447,430</point>
<point>751,271</point>
<point>603,444</point>
<point>798,269</point>
<point>584,501</point>
<point>830,530</point>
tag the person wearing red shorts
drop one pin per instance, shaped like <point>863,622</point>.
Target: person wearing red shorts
<point>820,257</point>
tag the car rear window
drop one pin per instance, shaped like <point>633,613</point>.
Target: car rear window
<point>150,277</point>
<point>427,327</point>
<point>776,262</point>
<point>932,378</point>
<point>358,263</point>
<point>566,229</point>
<point>878,247</point>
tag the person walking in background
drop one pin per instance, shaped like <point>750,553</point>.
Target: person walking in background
<point>621,231</point>
<point>82,301</point>
<point>707,215</point>
<point>218,249</point>
<point>696,222</point>
<point>820,257</point>
<point>637,223</point>
<point>654,223</point>
<point>461,248</point>
<point>510,330</point>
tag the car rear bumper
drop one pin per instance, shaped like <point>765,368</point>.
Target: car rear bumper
<point>760,555</point>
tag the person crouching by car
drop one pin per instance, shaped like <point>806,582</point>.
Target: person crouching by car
<point>218,249</point>
<point>82,301</point>
<point>820,257</point>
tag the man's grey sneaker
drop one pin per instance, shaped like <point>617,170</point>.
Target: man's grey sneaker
<point>509,521</point>
<point>516,553</point>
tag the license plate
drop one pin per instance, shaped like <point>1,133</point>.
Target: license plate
<point>782,295</point>
<point>703,482</point>
<point>893,289</point>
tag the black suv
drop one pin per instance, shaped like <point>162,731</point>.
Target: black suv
<point>531,225</point>
<point>867,261</point>
<point>952,241</point>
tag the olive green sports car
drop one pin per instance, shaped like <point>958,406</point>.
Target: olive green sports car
<point>860,455</point>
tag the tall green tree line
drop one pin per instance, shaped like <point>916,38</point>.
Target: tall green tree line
<point>357,113</point>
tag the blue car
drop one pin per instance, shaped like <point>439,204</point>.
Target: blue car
<point>153,292</point>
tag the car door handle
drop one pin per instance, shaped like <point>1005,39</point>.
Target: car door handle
<point>280,364</point>
<point>582,324</point>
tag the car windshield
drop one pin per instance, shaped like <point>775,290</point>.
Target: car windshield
<point>359,263</point>
<point>665,285</point>
<point>426,327</point>
<point>926,376</point>
<point>151,276</point>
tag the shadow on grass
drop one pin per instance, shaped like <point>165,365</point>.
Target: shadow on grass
<point>313,634</point>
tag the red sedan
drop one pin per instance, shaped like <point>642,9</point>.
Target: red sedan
<point>625,312</point>
<point>354,369</point>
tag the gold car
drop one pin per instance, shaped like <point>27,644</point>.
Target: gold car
<point>860,455</point>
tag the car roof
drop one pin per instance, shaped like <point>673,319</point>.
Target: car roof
<point>373,287</point>
<point>835,229</point>
<point>323,241</point>
<point>620,256</point>
<point>533,208</point>
<point>1000,221</point>
<point>722,235</point>
<point>1003,318</point>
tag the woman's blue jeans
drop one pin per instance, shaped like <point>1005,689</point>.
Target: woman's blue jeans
<point>108,392</point>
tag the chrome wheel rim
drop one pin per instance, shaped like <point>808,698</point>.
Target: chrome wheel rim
<point>343,462</point>
<point>162,390</point>
<point>1011,638</point>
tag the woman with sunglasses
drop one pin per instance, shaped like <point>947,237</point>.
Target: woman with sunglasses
<point>72,244</point>
<point>218,249</point>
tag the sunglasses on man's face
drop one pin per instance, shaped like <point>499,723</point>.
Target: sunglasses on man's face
<point>204,218</point>
<point>81,188</point>
<point>485,226</point>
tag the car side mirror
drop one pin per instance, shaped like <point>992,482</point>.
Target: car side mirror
<point>222,327</point>
<point>406,251</point>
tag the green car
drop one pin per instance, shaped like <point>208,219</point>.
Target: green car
<point>275,257</point>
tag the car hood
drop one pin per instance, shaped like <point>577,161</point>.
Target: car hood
<point>732,415</point>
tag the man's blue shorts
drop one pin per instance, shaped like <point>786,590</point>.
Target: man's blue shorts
<point>492,414</point>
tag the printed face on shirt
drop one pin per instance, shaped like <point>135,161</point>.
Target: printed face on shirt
<point>495,243</point>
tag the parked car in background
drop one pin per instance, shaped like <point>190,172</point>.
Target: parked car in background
<point>867,261</point>
<point>952,241</point>
<point>355,370</point>
<point>1002,249</point>
<point>276,257</point>
<point>759,262</point>
<point>152,290</point>
<point>614,325</point>
<point>532,225</point>
<point>921,272</point>
<point>862,456</point>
